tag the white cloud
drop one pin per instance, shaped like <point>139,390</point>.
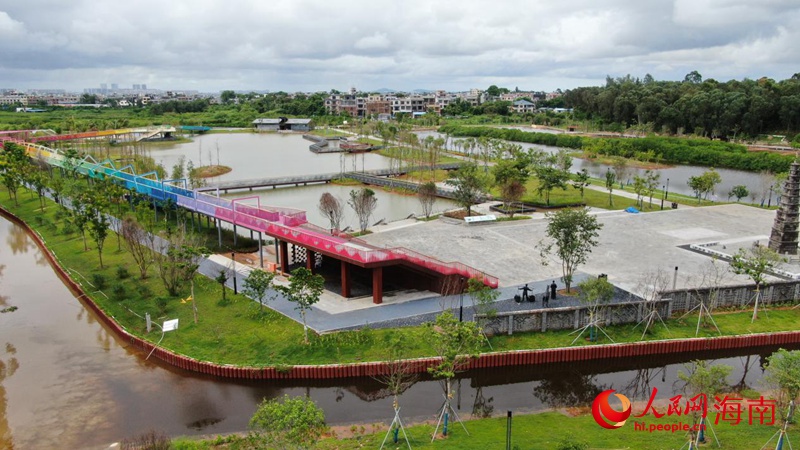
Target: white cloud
<point>376,41</point>
<point>315,44</point>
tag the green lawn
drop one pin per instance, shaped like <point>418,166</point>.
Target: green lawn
<point>237,333</point>
<point>541,431</point>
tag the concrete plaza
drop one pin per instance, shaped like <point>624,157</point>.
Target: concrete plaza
<point>631,246</point>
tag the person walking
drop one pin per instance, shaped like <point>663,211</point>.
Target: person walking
<point>525,289</point>
<point>546,298</point>
<point>553,288</point>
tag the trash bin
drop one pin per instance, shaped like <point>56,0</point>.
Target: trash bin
<point>674,205</point>
<point>517,298</point>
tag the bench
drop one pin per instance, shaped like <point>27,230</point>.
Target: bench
<point>479,219</point>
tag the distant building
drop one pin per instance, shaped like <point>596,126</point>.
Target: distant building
<point>283,124</point>
<point>523,106</point>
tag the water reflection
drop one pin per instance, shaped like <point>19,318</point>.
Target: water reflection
<point>568,389</point>
<point>8,366</point>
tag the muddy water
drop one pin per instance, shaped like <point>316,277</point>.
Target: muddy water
<point>66,382</point>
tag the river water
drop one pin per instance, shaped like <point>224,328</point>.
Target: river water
<point>66,382</point>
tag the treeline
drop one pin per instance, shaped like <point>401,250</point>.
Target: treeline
<point>705,108</point>
<point>701,152</point>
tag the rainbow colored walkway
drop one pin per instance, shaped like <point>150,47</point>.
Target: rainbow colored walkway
<point>288,226</point>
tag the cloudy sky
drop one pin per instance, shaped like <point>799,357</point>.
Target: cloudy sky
<point>318,45</point>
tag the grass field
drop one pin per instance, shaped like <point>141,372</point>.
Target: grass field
<point>545,431</point>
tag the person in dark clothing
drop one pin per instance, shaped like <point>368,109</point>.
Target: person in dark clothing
<point>553,288</point>
<point>546,298</point>
<point>525,289</point>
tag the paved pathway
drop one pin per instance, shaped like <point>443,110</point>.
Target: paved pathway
<point>334,312</point>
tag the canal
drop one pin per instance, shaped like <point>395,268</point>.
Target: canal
<point>66,382</point>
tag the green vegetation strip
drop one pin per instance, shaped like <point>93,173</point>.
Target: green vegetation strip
<point>700,152</point>
<point>238,332</point>
<point>549,430</point>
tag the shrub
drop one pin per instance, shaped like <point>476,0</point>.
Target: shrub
<point>122,272</point>
<point>144,291</point>
<point>118,292</point>
<point>99,281</point>
<point>161,304</point>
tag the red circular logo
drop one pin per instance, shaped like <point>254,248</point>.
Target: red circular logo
<point>605,415</point>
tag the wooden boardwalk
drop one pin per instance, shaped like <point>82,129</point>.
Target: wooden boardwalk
<point>305,180</point>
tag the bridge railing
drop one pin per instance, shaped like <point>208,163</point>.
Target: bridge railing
<point>288,223</point>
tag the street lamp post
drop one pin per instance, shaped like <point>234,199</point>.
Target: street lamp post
<point>663,197</point>
<point>461,301</point>
<point>666,192</point>
<point>233,267</point>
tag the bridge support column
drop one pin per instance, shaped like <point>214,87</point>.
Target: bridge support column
<point>377,285</point>
<point>234,235</point>
<point>345,279</point>
<point>218,224</point>
<point>311,258</point>
<point>284,257</point>
<point>260,250</point>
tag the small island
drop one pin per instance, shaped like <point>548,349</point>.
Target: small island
<point>210,171</point>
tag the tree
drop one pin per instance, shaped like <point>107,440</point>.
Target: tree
<point>704,184</point>
<point>512,191</point>
<point>179,170</point>
<point>621,169</point>
<point>455,343</point>
<point>580,181</point>
<point>596,293</point>
<point>739,191</point>
<point>227,97</point>
<point>639,187</point>
<point>291,422</point>
<point>550,178</point>
<point>611,178</point>
<point>332,209</point>
<point>222,278</point>
<point>651,180</point>
<point>783,374</point>
<point>139,243</point>
<point>574,233</point>
<point>397,378</point>
<point>13,162</point>
<point>511,174</point>
<point>98,230</point>
<point>177,260</point>
<point>700,383</point>
<point>257,283</point>
<point>468,186</point>
<point>80,214</point>
<point>304,289</point>
<point>363,202</point>
<point>693,77</point>
<point>427,197</point>
<point>755,263</point>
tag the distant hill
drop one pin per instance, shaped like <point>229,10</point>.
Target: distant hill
<point>385,91</point>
